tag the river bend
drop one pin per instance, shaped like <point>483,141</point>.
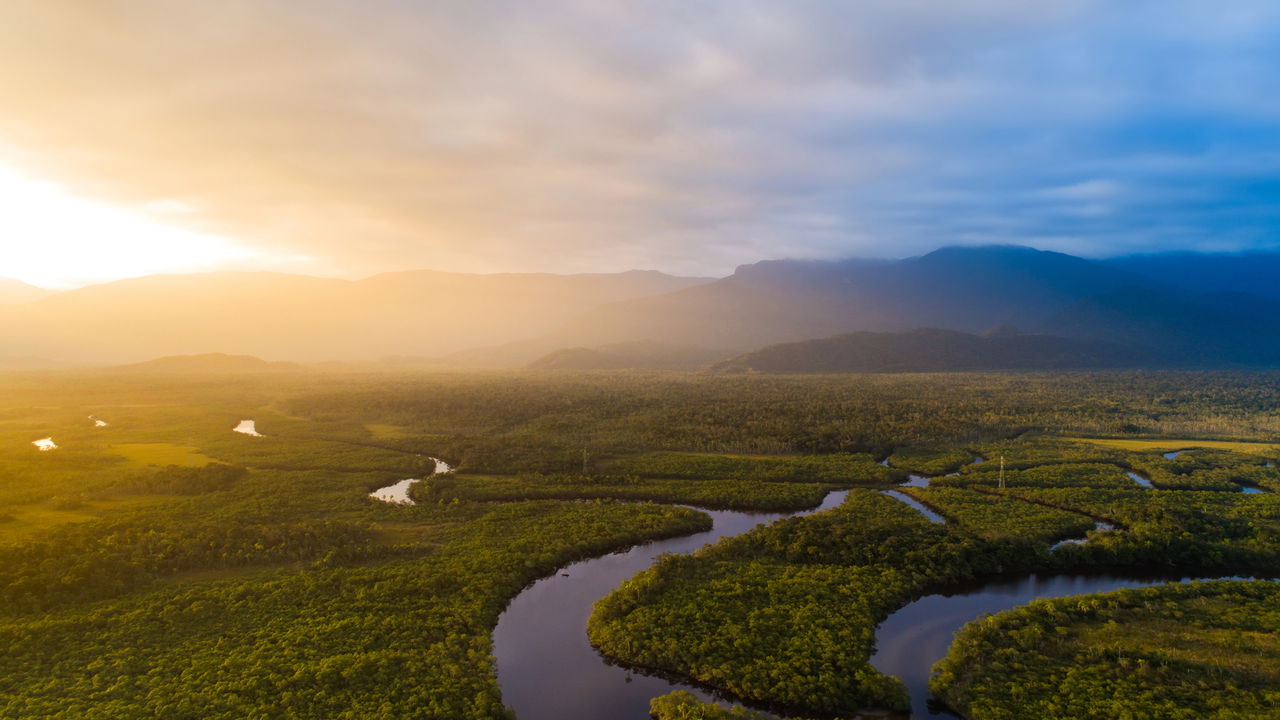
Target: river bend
<point>548,669</point>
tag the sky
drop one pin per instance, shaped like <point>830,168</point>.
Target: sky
<point>690,136</point>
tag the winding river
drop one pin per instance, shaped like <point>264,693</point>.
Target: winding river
<point>916,505</point>
<point>1139,479</point>
<point>398,493</point>
<point>548,670</point>
<point>918,635</point>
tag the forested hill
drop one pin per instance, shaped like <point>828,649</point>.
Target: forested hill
<point>929,350</point>
<point>1210,330</point>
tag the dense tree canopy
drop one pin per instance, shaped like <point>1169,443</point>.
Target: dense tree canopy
<point>165,566</point>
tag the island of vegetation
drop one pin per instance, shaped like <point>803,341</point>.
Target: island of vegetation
<point>1182,652</point>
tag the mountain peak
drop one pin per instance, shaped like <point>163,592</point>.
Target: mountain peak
<point>1020,254</point>
<point>1007,249</point>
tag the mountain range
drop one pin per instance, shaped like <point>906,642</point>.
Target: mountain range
<point>1175,309</point>
<point>1125,302</point>
<point>965,289</point>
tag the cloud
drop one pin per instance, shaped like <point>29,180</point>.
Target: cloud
<point>596,135</point>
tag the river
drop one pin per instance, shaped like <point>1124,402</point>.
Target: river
<point>918,635</point>
<point>398,493</point>
<point>548,669</point>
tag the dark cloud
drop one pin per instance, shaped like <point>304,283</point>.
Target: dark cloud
<point>591,134</point>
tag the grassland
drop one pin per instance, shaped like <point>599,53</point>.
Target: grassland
<point>1172,444</point>
<point>143,454</point>
<point>383,431</point>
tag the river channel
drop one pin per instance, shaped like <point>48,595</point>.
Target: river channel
<point>548,669</point>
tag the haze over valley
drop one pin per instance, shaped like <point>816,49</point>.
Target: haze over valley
<point>1146,311</point>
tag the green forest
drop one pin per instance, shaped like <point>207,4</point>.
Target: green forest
<point>164,566</point>
<point>1182,652</point>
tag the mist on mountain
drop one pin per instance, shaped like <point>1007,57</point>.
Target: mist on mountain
<point>1158,308</point>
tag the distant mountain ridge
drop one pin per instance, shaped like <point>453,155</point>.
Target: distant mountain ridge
<point>960,288</point>
<point>1223,329</point>
<point>931,350</point>
<point>964,289</point>
<point>1255,273</point>
<point>1157,306</point>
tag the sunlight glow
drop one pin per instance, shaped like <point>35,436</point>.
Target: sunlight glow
<point>51,238</point>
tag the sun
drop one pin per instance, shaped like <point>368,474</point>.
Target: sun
<point>50,237</point>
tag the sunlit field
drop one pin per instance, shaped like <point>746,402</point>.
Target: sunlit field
<point>1171,444</point>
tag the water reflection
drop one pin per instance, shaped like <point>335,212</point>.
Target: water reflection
<point>1098,526</point>
<point>920,480</point>
<point>1139,479</point>
<point>912,639</point>
<point>916,505</point>
<point>247,427</point>
<point>398,493</point>
<point>547,668</point>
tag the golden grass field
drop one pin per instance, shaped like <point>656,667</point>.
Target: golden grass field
<point>21,521</point>
<point>1167,445</point>
<point>161,454</point>
<point>386,432</point>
